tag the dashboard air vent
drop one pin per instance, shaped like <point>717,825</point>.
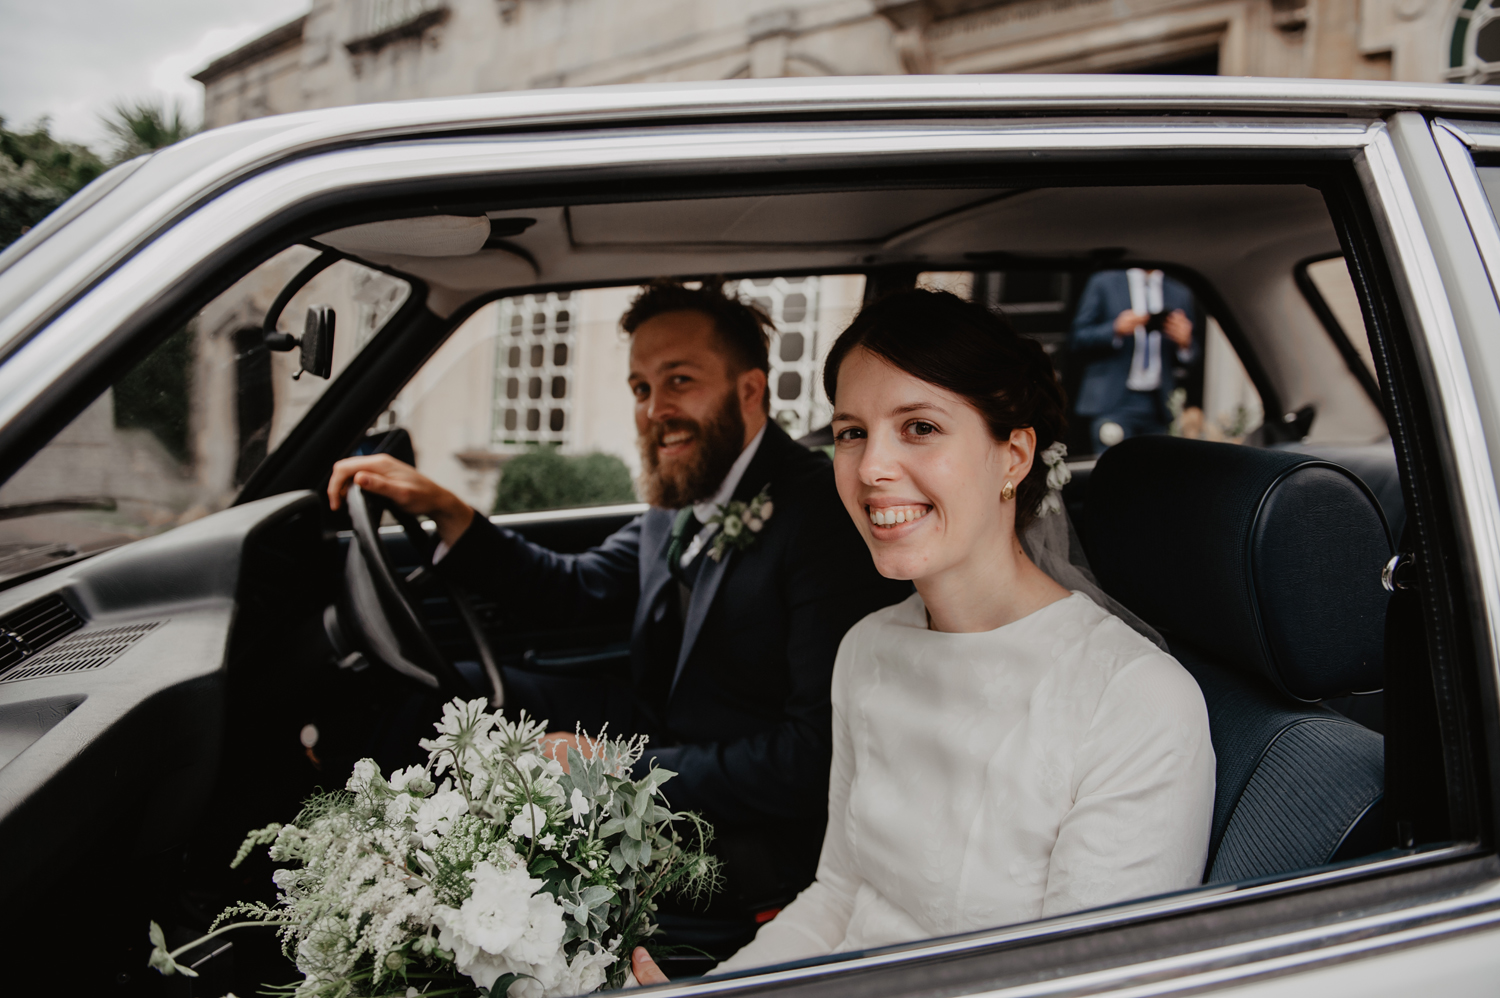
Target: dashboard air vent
<point>25,632</point>
<point>91,649</point>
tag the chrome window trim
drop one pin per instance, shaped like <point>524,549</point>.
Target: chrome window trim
<point>152,271</point>
<point>1484,900</point>
<point>1448,323</point>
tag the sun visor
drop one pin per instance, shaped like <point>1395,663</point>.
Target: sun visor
<point>429,236</point>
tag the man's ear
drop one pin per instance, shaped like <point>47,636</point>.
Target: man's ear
<point>752,387</point>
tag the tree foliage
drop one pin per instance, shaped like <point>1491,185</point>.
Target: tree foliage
<point>546,479</point>
<point>37,173</point>
<point>143,126</point>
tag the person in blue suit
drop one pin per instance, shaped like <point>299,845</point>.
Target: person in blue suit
<point>1132,329</point>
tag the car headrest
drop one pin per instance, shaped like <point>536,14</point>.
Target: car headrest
<point>1266,560</point>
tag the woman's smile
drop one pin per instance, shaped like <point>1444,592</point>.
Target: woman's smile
<point>887,518</point>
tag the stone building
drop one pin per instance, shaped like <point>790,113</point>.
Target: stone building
<point>355,51</point>
<point>479,400</point>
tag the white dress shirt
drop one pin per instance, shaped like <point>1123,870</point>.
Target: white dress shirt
<point>703,510</point>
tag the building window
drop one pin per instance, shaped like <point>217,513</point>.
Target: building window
<point>533,370</point>
<point>792,302</point>
<point>1474,44</point>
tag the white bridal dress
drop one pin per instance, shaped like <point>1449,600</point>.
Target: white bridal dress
<point>1057,763</point>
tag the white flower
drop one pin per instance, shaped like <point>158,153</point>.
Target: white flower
<point>528,821</point>
<point>1058,473</point>
<point>505,927</point>
<point>365,770</point>
<point>754,523</point>
<point>765,510</point>
<point>402,778</point>
<point>463,731</point>
<point>398,809</point>
<point>732,526</point>
<point>1051,503</point>
<point>435,815</point>
<point>580,805</point>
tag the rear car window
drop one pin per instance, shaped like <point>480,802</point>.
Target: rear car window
<point>526,407</point>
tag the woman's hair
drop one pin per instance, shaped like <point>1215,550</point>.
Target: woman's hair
<point>970,351</point>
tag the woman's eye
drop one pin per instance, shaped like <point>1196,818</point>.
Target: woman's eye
<point>850,433</point>
<point>921,429</point>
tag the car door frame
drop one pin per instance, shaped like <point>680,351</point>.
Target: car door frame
<point>1237,932</point>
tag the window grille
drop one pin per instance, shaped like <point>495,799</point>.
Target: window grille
<point>797,401</point>
<point>534,348</point>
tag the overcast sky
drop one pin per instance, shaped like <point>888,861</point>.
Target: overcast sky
<point>72,59</point>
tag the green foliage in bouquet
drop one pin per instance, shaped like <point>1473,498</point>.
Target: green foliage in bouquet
<point>510,876</point>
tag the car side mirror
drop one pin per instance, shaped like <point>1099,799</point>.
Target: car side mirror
<point>316,342</point>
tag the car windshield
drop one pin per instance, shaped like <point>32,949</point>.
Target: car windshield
<point>176,436</point>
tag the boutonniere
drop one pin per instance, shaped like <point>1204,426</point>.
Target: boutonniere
<point>739,522</point>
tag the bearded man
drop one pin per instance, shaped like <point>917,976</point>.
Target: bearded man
<point>733,637</point>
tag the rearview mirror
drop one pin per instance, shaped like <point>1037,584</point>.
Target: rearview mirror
<point>317,341</point>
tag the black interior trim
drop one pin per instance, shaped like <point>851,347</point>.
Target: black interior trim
<point>1461,808</point>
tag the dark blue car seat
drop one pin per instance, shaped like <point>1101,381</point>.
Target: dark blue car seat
<point>1261,568</point>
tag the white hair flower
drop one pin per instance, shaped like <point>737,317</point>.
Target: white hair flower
<point>1058,475</point>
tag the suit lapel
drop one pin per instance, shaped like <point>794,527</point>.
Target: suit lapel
<point>757,474</point>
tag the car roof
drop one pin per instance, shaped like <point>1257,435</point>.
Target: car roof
<point>146,195</point>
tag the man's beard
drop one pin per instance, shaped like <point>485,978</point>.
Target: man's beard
<point>697,476</point>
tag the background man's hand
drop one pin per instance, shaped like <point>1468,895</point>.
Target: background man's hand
<point>1179,329</point>
<point>1127,320</point>
<point>406,487</point>
<point>645,969</point>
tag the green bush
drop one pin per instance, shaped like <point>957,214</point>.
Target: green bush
<point>546,479</point>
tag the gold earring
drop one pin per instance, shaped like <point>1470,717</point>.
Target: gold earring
<point>1008,493</point>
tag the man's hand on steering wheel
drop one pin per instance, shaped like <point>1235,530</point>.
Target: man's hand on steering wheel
<point>404,486</point>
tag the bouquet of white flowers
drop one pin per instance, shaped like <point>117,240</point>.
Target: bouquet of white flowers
<point>510,876</point>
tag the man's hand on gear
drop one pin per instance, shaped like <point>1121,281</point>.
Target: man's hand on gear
<point>1179,329</point>
<point>406,487</point>
<point>1127,320</point>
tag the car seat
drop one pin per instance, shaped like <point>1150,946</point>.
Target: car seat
<point>1261,568</point>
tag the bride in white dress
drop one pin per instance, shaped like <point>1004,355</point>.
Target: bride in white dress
<point>1003,749</point>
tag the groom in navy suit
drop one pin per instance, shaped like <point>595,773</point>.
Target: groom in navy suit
<point>1133,328</point>
<point>733,638</point>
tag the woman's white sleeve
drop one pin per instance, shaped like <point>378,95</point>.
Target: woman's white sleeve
<point>816,921</point>
<point>1143,792</point>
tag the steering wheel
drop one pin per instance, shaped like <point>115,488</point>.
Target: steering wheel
<point>376,616</point>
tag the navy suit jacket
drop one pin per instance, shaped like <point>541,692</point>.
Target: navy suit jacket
<point>1107,358</point>
<point>748,724</point>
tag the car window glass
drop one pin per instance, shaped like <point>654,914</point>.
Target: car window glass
<point>1215,398</point>
<point>175,437</point>
<point>525,407</point>
<point>1331,279</point>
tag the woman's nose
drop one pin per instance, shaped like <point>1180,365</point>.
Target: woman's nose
<point>877,462</point>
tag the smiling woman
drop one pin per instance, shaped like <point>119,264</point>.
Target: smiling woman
<point>994,735</point>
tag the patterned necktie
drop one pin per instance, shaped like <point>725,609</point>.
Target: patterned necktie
<point>674,546</point>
